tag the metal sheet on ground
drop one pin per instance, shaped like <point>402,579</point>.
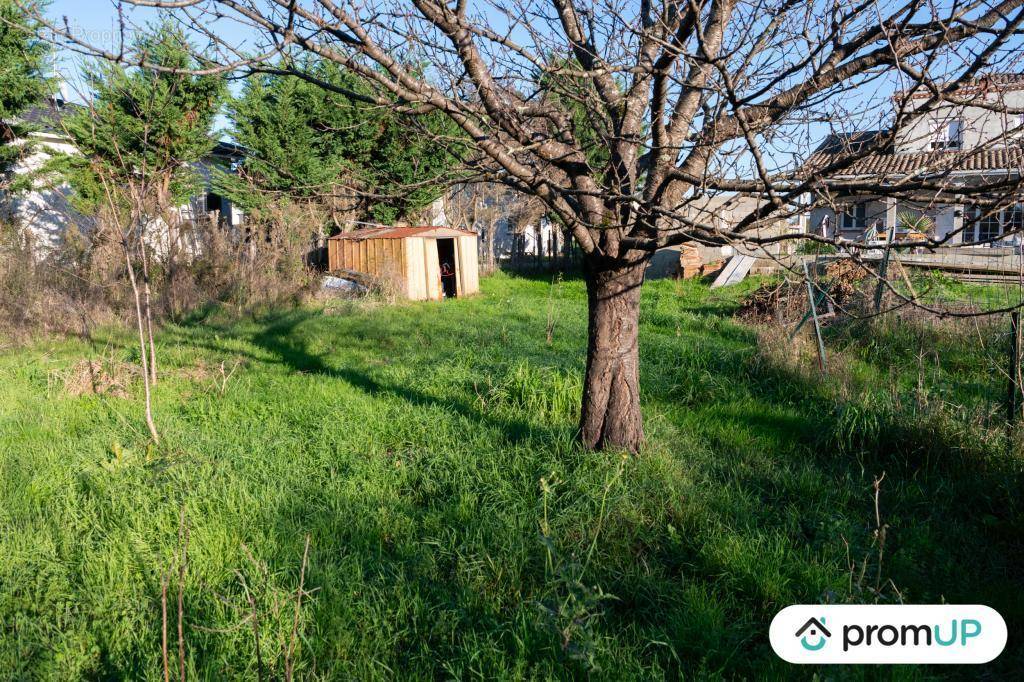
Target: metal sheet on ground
<point>735,270</point>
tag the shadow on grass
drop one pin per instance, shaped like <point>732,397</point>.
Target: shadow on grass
<point>280,338</point>
<point>952,507</point>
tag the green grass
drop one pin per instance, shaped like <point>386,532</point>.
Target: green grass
<point>455,529</point>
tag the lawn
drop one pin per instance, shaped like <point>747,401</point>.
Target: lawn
<point>455,530</point>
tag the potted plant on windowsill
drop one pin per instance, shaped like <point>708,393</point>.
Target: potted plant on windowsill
<point>913,227</point>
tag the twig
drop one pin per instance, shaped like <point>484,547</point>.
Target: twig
<point>255,625</point>
<point>879,531</point>
<point>183,536</point>
<point>163,612</point>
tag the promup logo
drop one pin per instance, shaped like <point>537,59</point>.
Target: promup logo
<point>817,629</point>
<point>888,634</point>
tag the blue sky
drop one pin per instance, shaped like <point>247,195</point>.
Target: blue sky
<point>95,21</point>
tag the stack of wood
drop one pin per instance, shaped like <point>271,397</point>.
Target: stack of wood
<point>689,262</point>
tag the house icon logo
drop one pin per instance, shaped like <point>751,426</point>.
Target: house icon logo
<point>816,630</point>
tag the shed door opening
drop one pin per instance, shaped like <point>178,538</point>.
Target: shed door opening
<point>215,203</point>
<point>446,262</point>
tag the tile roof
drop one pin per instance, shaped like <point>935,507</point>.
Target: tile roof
<point>228,149</point>
<point>985,83</point>
<point>1010,157</point>
<point>48,115</point>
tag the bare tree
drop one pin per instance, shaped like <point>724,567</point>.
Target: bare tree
<point>618,114</point>
<point>123,212</point>
<point>481,208</point>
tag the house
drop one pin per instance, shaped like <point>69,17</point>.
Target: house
<point>510,224</point>
<point>45,212</point>
<point>429,262</point>
<point>969,142</point>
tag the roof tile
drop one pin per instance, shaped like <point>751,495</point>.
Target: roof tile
<point>1010,157</point>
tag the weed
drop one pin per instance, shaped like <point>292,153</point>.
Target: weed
<point>406,442</point>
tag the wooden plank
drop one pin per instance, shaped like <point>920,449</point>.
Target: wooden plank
<point>469,264</point>
<point>432,269</point>
<point>395,261</point>
<point>817,326</point>
<point>417,272</point>
<point>458,267</point>
<point>400,250</point>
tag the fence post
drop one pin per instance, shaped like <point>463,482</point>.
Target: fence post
<point>1013,398</point>
<point>883,268</point>
<point>814,317</point>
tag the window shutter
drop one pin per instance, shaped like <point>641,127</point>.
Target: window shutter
<point>954,132</point>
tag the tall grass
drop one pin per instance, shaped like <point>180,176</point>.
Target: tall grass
<point>455,529</point>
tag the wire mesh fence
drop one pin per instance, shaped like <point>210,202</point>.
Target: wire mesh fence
<point>961,305</point>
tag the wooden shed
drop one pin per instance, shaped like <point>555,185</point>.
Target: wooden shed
<point>422,263</point>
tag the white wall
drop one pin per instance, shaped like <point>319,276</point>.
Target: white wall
<point>45,213</point>
<point>504,240</point>
<point>980,125</point>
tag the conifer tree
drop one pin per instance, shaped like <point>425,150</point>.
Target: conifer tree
<point>306,142</point>
<point>22,75</point>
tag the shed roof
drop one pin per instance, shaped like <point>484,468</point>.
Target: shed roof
<point>403,232</point>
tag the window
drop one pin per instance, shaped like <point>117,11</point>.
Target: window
<point>946,133</point>
<point>988,225</point>
<point>854,217</point>
<point>1014,219</point>
<point>954,131</point>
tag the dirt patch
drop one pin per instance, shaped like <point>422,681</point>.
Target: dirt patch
<point>200,372</point>
<point>218,375</point>
<point>93,377</point>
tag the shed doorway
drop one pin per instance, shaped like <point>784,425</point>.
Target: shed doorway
<point>446,264</point>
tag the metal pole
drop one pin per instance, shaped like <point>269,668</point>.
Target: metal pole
<point>884,268</point>
<point>817,325</point>
<point>1013,405</point>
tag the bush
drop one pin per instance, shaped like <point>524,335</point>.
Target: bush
<point>812,248</point>
<point>84,281</point>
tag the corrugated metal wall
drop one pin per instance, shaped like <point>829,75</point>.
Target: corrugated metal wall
<point>374,257</point>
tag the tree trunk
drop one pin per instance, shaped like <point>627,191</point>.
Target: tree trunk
<point>610,416</point>
<point>150,424</point>
<point>148,306</point>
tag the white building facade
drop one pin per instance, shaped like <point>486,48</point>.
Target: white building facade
<point>45,212</point>
<point>970,143</point>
